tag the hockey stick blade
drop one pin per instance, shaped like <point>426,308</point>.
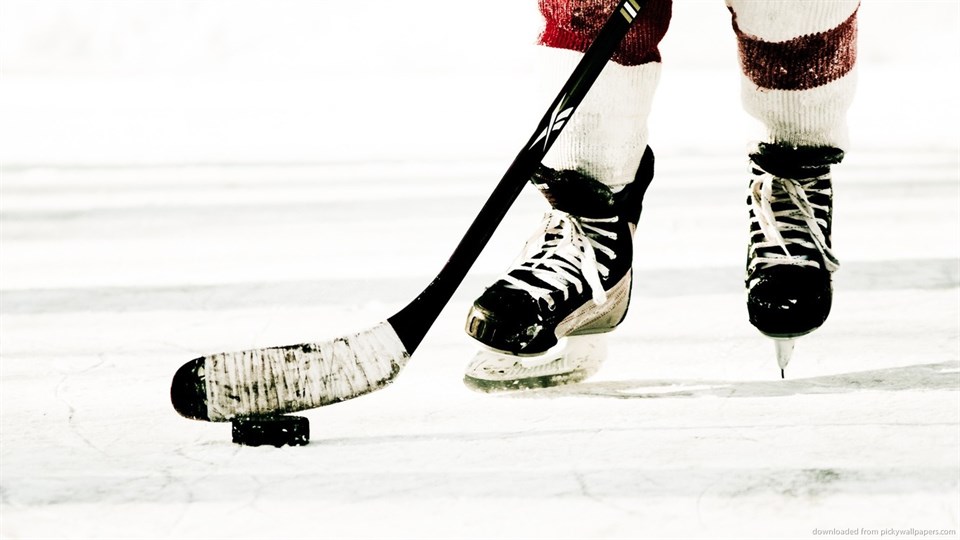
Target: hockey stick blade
<point>276,380</point>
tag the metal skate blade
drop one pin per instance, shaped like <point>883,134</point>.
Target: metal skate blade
<point>784,348</point>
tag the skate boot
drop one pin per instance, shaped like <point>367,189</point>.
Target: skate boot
<point>571,283</point>
<point>790,260</point>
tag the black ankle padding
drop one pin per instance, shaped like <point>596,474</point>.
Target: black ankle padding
<point>630,198</point>
<point>788,161</point>
<point>578,194</point>
<point>574,193</point>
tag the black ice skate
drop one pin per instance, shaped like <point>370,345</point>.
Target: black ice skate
<point>790,260</point>
<point>573,279</point>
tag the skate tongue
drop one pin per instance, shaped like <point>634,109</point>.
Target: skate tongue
<point>575,193</point>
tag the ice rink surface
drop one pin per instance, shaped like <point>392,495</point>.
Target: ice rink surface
<point>181,178</point>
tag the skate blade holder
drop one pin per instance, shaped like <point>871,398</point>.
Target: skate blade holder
<point>572,349</point>
<point>573,359</point>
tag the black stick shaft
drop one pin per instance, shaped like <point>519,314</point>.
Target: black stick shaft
<point>413,321</point>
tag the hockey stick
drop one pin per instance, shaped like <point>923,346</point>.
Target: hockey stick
<point>292,378</point>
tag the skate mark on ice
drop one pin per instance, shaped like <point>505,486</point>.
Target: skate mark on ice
<point>71,410</point>
<point>929,377</point>
<point>795,484</point>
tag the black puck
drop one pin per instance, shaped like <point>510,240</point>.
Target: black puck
<point>275,430</point>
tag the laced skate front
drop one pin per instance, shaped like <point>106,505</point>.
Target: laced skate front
<point>767,190</point>
<point>564,255</point>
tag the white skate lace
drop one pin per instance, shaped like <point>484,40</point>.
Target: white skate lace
<point>771,223</point>
<point>561,255</point>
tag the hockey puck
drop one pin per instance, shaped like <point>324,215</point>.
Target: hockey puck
<point>274,430</point>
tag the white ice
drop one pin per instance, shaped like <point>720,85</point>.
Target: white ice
<point>181,178</point>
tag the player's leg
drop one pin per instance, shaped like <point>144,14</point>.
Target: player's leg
<point>798,59</point>
<point>573,278</point>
